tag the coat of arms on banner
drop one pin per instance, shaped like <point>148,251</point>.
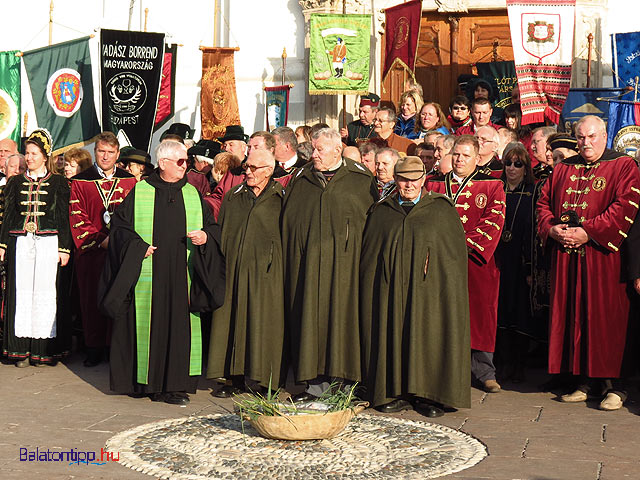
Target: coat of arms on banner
<point>543,34</point>
<point>64,92</point>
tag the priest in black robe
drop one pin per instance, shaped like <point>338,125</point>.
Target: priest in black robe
<point>156,349</point>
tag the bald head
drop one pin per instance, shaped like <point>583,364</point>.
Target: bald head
<point>352,153</point>
<point>7,147</point>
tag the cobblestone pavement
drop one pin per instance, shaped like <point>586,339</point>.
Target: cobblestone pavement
<point>528,434</point>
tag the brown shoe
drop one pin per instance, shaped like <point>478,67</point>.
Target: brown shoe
<point>491,386</point>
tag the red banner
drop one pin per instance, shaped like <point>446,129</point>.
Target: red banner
<point>402,29</point>
<point>166,99</point>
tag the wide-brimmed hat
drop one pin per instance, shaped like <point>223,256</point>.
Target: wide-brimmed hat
<point>410,167</point>
<point>181,129</point>
<point>234,132</point>
<point>206,148</point>
<point>133,155</point>
<point>42,138</point>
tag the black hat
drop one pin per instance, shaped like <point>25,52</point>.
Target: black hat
<point>133,155</point>
<point>234,132</point>
<point>563,141</point>
<point>181,129</point>
<point>205,148</point>
<point>42,138</point>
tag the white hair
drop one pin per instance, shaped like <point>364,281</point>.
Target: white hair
<point>330,134</point>
<point>201,158</point>
<point>169,147</point>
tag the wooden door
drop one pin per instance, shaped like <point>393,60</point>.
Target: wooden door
<point>451,44</point>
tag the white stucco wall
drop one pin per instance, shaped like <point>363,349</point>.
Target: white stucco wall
<point>261,30</point>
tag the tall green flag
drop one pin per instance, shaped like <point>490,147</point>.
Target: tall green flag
<point>339,54</point>
<point>61,85</point>
<point>10,96</point>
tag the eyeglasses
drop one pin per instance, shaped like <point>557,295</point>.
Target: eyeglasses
<point>485,140</point>
<point>179,162</point>
<point>459,107</point>
<point>517,163</point>
<point>253,168</point>
<point>377,120</point>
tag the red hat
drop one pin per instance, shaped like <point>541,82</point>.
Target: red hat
<point>372,99</point>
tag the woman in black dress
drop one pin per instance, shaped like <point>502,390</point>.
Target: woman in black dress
<point>35,241</point>
<point>513,257</point>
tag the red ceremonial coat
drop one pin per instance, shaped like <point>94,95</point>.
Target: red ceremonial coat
<point>481,205</point>
<point>589,304</point>
<point>86,216</point>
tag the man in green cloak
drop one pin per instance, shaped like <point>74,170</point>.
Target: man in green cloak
<point>414,305</point>
<point>323,216</point>
<point>247,331</point>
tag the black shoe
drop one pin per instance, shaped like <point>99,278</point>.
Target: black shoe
<point>303,397</point>
<point>176,398</point>
<point>157,397</point>
<point>394,406</point>
<point>94,357</point>
<point>227,391</point>
<point>136,395</point>
<point>428,408</point>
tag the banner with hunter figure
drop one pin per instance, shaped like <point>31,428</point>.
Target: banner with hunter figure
<point>339,54</point>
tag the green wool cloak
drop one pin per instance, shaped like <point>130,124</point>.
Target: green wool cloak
<point>322,235</point>
<point>247,331</point>
<point>414,304</point>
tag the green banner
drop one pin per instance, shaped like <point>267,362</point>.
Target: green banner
<point>10,96</point>
<point>339,54</point>
<point>62,89</point>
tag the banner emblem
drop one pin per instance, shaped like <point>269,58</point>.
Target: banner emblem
<point>127,93</point>
<point>543,32</point>
<point>627,140</point>
<point>8,114</point>
<point>64,92</point>
<point>540,32</point>
<point>401,33</point>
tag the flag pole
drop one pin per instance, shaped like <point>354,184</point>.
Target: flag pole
<point>284,63</point>
<point>216,12</point>
<point>51,23</point>
<point>131,3</point>
<point>344,95</point>
<point>590,43</point>
<point>146,17</point>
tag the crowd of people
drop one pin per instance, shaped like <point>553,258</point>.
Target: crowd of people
<point>413,251</point>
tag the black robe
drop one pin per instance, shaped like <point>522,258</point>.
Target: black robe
<point>513,258</point>
<point>414,303</point>
<point>170,341</point>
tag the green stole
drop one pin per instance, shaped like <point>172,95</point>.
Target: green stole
<point>143,225</point>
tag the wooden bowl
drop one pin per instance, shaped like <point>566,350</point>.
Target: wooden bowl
<point>314,426</point>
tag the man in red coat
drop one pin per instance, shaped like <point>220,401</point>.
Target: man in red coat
<point>481,111</point>
<point>585,210</point>
<point>480,201</point>
<point>95,194</point>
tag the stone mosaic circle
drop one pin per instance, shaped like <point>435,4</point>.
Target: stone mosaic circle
<point>371,447</point>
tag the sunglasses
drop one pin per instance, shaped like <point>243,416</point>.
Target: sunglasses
<point>253,168</point>
<point>458,107</point>
<point>517,163</point>
<point>179,162</point>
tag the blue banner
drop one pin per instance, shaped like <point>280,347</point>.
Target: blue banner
<point>623,128</point>
<point>584,101</point>
<point>626,58</point>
